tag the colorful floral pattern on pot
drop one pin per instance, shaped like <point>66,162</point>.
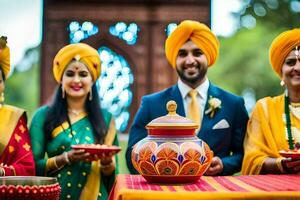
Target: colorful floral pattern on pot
<point>171,157</point>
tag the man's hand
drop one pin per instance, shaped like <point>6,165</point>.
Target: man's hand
<point>215,167</point>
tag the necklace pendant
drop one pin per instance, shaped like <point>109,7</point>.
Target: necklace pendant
<point>75,112</point>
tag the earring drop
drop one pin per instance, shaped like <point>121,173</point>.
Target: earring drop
<point>297,52</point>
<point>282,83</point>
<point>91,96</point>
<point>2,99</point>
<point>63,92</point>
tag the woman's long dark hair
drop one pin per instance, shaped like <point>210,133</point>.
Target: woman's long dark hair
<point>58,113</point>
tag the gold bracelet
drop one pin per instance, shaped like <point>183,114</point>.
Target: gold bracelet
<point>2,171</point>
<point>67,157</point>
<point>54,162</point>
<point>58,167</point>
<point>51,164</point>
<point>279,165</point>
<point>13,170</point>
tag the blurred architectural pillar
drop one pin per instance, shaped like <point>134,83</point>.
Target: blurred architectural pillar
<point>146,58</point>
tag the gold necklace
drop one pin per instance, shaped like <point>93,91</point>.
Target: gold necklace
<point>75,112</point>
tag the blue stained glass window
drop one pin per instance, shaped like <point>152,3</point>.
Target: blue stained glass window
<point>170,28</point>
<point>114,86</point>
<point>80,32</point>
<point>116,76</point>
<point>128,33</point>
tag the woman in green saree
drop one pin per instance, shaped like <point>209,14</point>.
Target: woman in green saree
<point>75,117</point>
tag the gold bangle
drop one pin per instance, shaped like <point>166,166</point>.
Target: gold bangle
<point>51,164</point>
<point>67,157</point>
<point>279,165</point>
<point>54,162</point>
<point>13,169</point>
<point>2,171</point>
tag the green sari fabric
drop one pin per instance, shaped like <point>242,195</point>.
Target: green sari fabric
<point>72,178</point>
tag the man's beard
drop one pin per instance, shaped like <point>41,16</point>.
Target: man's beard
<point>193,80</point>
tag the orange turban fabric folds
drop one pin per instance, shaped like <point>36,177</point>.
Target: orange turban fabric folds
<point>281,46</point>
<point>198,33</point>
<point>80,52</point>
<point>5,60</point>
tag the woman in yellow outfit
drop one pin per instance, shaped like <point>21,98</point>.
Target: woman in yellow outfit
<point>275,121</point>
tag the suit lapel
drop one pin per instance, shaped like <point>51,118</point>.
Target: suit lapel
<point>176,96</point>
<point>207,122</point>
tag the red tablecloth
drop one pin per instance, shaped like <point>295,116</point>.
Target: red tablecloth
<point>220,187</point>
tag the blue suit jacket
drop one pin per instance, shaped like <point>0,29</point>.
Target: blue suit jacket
<point>226,143</point>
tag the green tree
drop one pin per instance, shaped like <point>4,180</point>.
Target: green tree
<point>22,87</point>
<point>244,58</point>
<point>273,13</point>
<point>243,63</point>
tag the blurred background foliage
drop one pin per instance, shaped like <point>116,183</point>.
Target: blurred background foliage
<point>242,67</point>
<point>22,87</point>
<point>243,63</point>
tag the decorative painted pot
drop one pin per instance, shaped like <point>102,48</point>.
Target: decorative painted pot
<point>29,188</point>
<point>171,153</point>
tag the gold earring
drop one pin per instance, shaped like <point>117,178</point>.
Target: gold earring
<point>91,96</point>
<point>297,52</point>
<point>282,83</point>
<point>63,92</point>
<point>2,99</point>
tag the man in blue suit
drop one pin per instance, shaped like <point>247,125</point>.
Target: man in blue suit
<point>191,49</point>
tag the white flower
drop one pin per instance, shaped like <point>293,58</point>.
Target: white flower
<point>214,106</point>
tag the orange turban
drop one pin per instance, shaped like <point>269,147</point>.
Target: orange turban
<point>198,33</point>
<point>5,60</point>
<point>281,46</point>
<point>80,52</point>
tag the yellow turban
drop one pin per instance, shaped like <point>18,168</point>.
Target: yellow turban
<point>5,60</point>
<point>80,52</point>
<point>281,46</point>
<point>198,33</point>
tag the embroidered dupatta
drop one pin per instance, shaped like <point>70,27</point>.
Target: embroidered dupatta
<point>265,134</point>
<point>79,178</point>
<point>15,147</point>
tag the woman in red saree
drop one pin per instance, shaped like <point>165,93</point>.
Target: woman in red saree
<point>16,157</point>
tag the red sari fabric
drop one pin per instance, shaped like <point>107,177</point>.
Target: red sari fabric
<point>17,158</point>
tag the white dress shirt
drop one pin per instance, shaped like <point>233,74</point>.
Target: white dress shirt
<point>201,96</point>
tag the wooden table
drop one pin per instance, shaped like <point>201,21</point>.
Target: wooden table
<point>135,187</point>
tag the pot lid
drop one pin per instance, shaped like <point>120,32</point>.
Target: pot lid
<point>172,120</point>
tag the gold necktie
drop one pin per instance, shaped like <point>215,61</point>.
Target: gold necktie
<point>193,108</point>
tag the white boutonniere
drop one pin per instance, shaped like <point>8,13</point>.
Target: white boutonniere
<point>214,106</point>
